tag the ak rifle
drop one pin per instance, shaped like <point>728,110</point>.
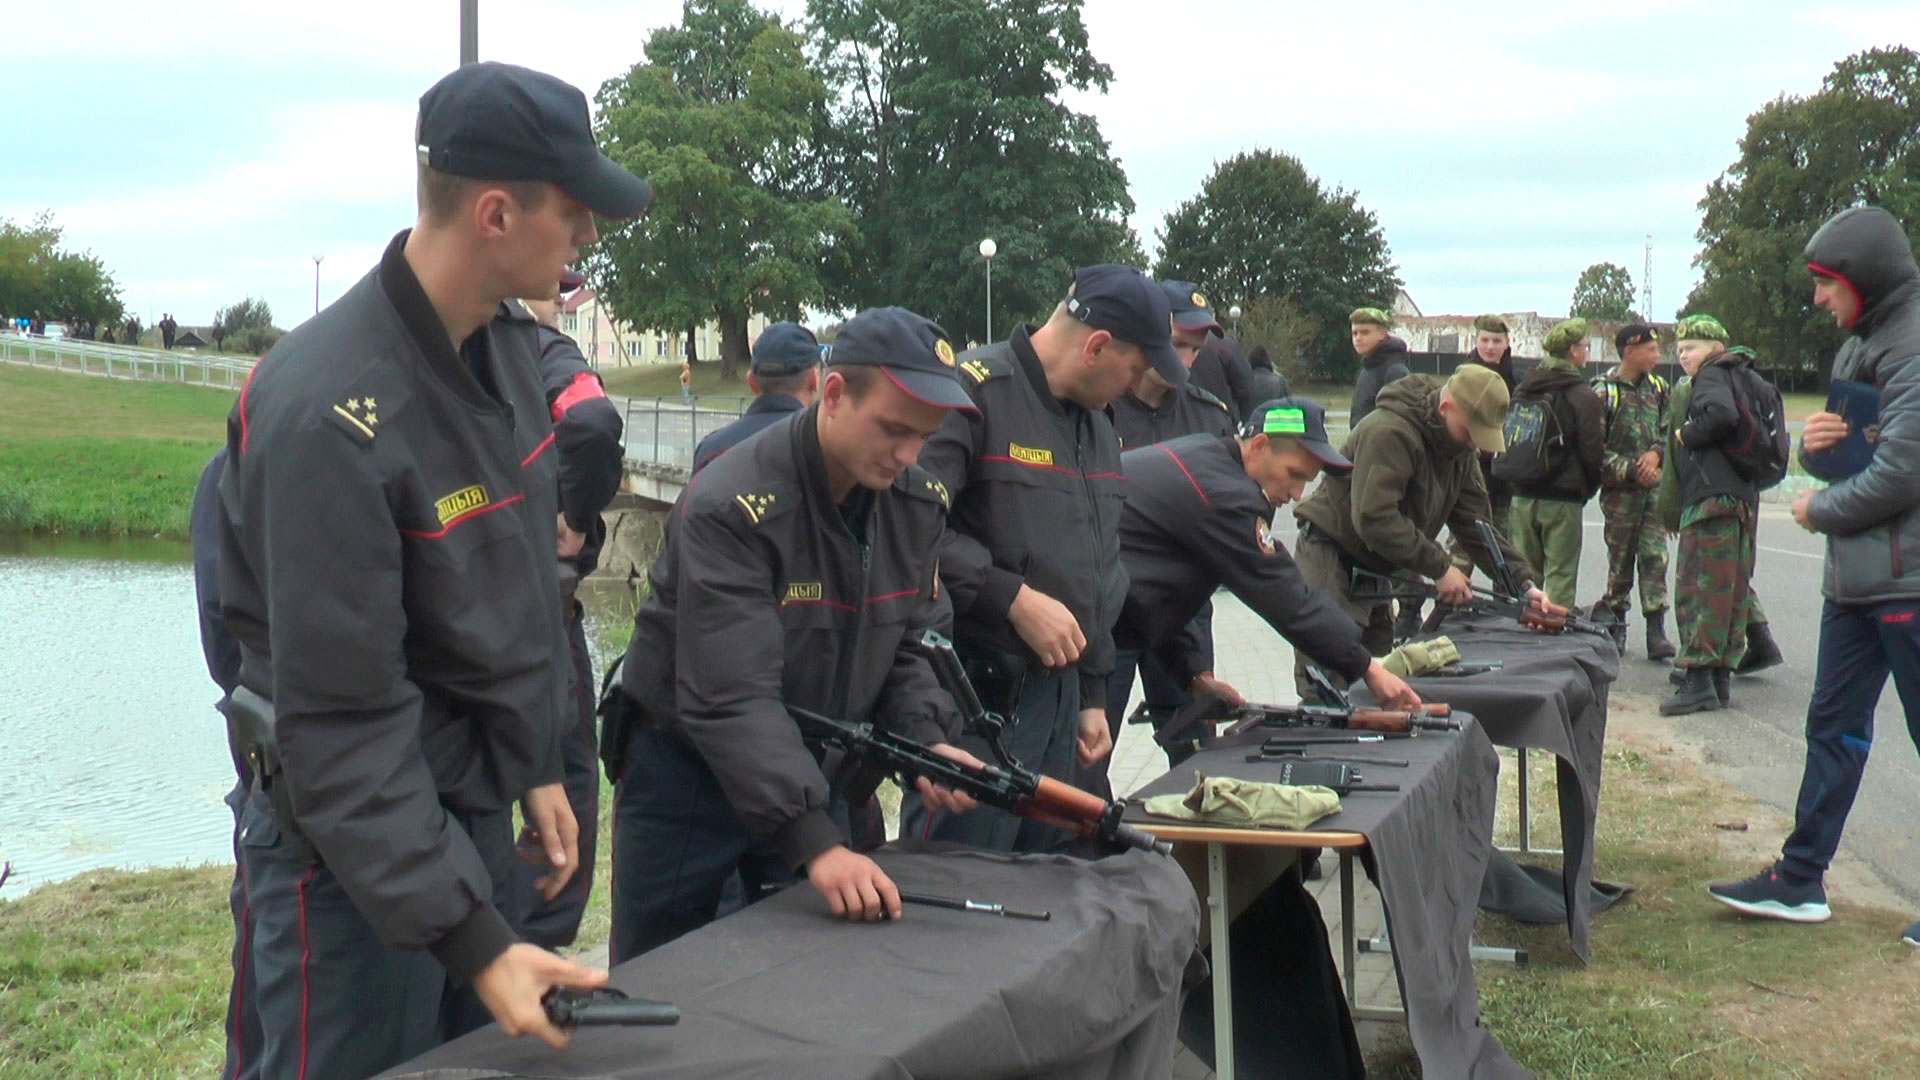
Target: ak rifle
<point>1505,599</point>
<point>1336,712</point>
<point>876,754</point>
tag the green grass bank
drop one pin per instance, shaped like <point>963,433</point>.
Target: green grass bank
<point>83,456</point>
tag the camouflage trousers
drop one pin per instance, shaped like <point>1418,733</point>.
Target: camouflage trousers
<point>1712,584</point>
<point>1625,511</point>
<point>1548,534</point>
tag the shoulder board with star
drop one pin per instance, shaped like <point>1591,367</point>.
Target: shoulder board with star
<point>977,366</point>
<point>359,415</point>
<point>921,484</point>
<point>1207,396</point>
<point>761,505</point>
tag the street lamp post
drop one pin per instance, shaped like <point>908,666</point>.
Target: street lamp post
<point>987,251</point>
<point>1234,314</point>
<point>316,283</point>
<point>469,32</point>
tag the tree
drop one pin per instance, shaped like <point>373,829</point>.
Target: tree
<point>248,325</point>
<point>719,120</point>
<point>1261,226</point>
<point>1802,160</point>
<point>1286,329</point>
<point>948,126</point>
<point>1604,293</point>
<point>37,275</point>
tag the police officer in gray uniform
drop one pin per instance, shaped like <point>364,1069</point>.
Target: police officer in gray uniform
<point>388,530</point>
<point>798,571</point>
<point>1032,558</point>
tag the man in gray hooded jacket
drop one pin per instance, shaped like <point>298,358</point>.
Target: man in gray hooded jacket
<point>1865,275</point>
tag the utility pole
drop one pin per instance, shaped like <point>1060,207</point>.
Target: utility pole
<point>316,283</point>
<point>1646,281</point>
<point>469,32</point>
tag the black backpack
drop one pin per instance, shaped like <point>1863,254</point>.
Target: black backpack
<point>1761,446</point>
<point>1534,441</point>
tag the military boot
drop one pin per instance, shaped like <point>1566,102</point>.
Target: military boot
<point>1723,685</point>
<point>1762,651</point>
<point>1658,647</point>
<point>1696,694</point>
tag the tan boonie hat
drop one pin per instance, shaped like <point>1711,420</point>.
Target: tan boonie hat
<point>1482,395</point>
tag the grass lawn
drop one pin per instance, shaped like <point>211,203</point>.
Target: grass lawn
<point>663,380</point>
<point>109,457</point>
<point>1679,985</point>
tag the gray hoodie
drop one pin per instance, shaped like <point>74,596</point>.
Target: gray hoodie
<point>1872,529</point>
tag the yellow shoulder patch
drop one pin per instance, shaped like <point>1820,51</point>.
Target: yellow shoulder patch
<point>756,506</point>
<point>360,415</point>
<point>940,491</point>
<point>975,370</point>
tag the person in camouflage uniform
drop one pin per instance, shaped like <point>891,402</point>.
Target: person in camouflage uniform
<point>1635,401</point>
<point>1762,651</point>
<point>1717,516</point>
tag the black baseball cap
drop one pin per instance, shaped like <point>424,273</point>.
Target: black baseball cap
<point>1633,334</point>
<point>909,349</point>
<point>494,121</point>
<point>785,348</point>
<point>1299,419</point>
<point>1121,301</point>
<point>1189,306</point>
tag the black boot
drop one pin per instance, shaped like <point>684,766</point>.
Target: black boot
<point>1723,685</point>
<point>1658,647</point>
<point>1407,625</point>
<point>1677,677</point>
<point>1696,694</point>
<point>1762,651</point>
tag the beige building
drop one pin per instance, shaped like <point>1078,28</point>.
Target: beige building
<point>1525,331</point>
<point>608,342</point>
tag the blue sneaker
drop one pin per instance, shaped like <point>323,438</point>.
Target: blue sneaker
<point>1771,895</point>
<point>1912,936</point>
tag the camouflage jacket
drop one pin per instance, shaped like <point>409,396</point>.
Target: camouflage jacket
<point>1636,422</point>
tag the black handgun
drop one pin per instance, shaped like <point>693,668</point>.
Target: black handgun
<point>606,1007</point>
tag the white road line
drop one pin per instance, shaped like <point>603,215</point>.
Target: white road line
<point>1784,551</point>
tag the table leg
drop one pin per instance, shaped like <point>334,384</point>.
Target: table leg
<point>1347,932</point>
<point>1220,915</point>
<point>1526,813</point>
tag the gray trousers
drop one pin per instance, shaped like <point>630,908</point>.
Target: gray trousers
<point>334,1003</point>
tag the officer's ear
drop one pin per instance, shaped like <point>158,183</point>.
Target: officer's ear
<point>753,384</point>
<point>1096,343</point>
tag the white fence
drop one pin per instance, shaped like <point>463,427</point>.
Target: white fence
<point>125,362</point>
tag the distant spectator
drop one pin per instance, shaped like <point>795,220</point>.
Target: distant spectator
<point>1267,383</point>
<point>167,328</point>
<point>133,330</point>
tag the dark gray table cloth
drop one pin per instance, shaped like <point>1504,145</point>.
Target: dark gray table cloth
<point>784,990</point>
<point>1551,694</point>
<point>1428,844</point>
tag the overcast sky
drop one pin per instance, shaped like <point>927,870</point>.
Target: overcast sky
<point>207,150</point>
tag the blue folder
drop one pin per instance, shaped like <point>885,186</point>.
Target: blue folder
<point>1859,403</point>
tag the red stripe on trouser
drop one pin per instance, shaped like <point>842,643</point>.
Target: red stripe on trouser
<point>306,957</point>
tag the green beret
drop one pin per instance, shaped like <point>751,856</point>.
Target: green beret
<point>1373,315</point>
<point>1701,328</point>
<point>1562,338</point>
<point>1490,324</point>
